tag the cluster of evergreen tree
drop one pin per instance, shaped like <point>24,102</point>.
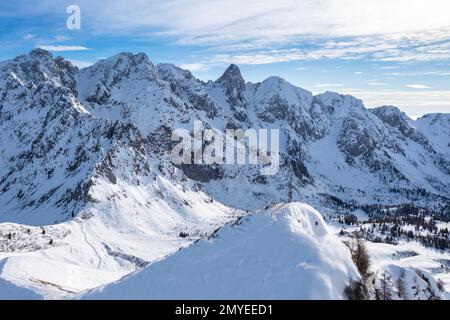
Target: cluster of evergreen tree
<point>411,194</point>
<point>357,290</point>
<point>389,229</point>
<point>388,224</point>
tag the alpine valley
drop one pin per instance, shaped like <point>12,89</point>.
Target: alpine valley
<point>92,207</point>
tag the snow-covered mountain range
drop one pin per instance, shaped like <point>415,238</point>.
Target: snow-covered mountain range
<point>89,194</point>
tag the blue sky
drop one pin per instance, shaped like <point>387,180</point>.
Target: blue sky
<point>384,52</point>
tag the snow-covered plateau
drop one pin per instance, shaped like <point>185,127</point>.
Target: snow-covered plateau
<point>92,207</point>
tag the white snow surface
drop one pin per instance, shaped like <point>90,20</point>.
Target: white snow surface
<point>285,252</point>
<point>107,241</point>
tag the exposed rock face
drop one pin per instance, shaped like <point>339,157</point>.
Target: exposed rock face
<point>400,121</point>
<point>234,88</point>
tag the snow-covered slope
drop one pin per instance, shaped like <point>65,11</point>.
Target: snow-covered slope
<point>113,207</point>
<point>412,269</point>
<point>286,252</point>
<point>437,129</point>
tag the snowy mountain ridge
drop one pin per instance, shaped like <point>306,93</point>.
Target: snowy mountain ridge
<point>288,247</point>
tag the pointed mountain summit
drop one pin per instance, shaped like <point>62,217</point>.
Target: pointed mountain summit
<point>232,77</point>
<point>38,52</point>
<point>37,68</point>
<point>234,85</point>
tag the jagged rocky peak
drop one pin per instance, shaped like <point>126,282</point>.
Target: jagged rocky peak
<point>170,71</point>
<point>234,85</point>
<point>339,104</point>
<point>278,97</point>
<point>275,80</point>
<point>436,118</point>
<point>395,118</point>
<point>95,83</point>
<point>40,54</point>
<point>65,64</point>
<point>390,115</point>
<point>232,77</point>
<point>122,63</point>
<point>38,67</point>
<point>436,126</point>
<point>282,87</point>
<point>130,58</point>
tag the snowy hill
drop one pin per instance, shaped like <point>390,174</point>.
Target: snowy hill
<point>286,252</point>
<point>436,128</point>
<point>89,194</point>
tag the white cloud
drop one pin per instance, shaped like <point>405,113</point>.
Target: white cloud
<point>413,74</point>
<point>328,85</point>
<point>417,86</point>
<point>271,20</point>
<point>385,30</point>
<point>59,48</point>
<point>61,38</point>
<point>267,21</point>
<point>370,80</point>
<point>28,37</point>
<point>358,72</point>
<point>260,57</point>
<point>414,103</point>
<point>378,84</point>
<point>389,67</point>
<point>393,47</point>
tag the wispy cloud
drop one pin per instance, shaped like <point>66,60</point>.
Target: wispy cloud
<point>377,84</point>
<point>60,38</point>
<point>388,67</point>
<point>29,36</point>
<point>417,86</point>
<point>339,29</point>
<point>392,47</point>
<point>271,21</point>
<point>369,80</point>
<point>328,85</point>
<point>60,48</point>
<point>414,103</point>
<point>414,74</point>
